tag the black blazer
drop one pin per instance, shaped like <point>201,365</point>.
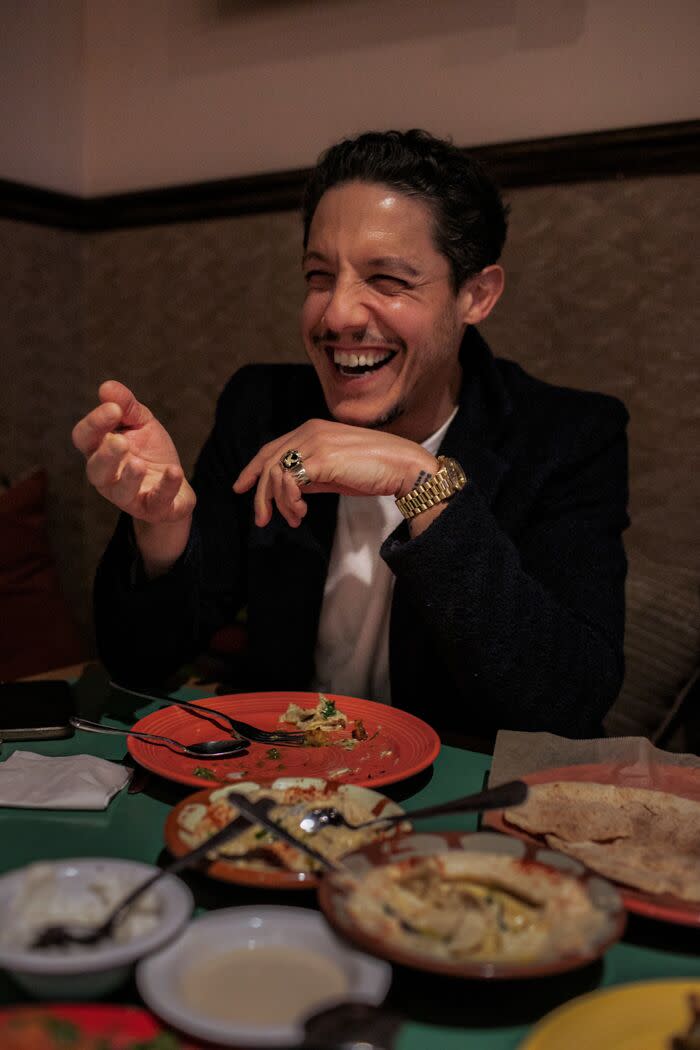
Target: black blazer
<point>508,612</point>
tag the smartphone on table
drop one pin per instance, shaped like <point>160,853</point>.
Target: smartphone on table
<point>36,710</point>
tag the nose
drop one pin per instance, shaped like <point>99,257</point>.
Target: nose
<point>346,307</point>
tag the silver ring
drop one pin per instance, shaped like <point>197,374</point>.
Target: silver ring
<point>293,464</point>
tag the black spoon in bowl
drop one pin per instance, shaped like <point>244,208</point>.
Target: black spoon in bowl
<point>56,936</point>
<point>204,749</point>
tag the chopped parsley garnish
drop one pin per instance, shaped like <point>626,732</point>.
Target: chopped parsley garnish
<point>64,1033</point>
<point>204,772</point>
<point>328,708</point>
<point>162,1041</point>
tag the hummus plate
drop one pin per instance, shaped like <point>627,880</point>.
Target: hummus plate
<point>473,905</point>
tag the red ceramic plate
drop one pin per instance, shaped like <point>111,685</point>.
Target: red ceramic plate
<point>405,849</point>
<point>264,878</point>
<point>677,780</point>
<point>398,744</point>
<point>85,1027</point>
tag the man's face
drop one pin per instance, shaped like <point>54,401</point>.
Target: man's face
<point>380,321</point>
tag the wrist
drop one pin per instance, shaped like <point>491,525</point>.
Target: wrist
<point>419,472</point>
<point>437,489</point>
<point>161,544</point>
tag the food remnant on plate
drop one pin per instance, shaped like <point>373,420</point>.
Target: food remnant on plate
<point>649,840</point>
<point>273,752</point>
<point>42,898</point>
<point>204,772</point>
<point>325,715</point>
<point>321,723</point>
<point>485,907</point>
<point>689,1040</point>
<point>256,848</point>
<point>265,985</point>
<point>359,732</point>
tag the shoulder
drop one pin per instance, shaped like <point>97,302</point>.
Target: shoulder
<point>573,419</point>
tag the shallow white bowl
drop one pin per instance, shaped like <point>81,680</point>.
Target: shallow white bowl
<point>159,977</point>
<point>85,973</point>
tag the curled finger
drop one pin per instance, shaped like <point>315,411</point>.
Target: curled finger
<point>105,465</point>
<point>125,490</point>
<point>89,432</point>
<point>287,496</point>
<point>159,499</point>
<point>263,497</point>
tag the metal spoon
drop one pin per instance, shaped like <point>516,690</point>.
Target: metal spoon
<point>510,794</point>
<point>55,936</point>
<point>352,1026</point>
<point>205,749</point>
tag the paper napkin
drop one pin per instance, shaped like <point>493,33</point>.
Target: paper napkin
<point>68,782</point>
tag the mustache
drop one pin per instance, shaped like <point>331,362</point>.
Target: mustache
<point>358,339</point>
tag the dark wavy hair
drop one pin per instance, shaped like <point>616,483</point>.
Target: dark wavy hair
<point>470,218</point>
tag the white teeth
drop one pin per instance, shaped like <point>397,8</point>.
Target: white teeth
<point>347,359</point>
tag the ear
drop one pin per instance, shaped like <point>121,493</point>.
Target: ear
<point>478,295</point>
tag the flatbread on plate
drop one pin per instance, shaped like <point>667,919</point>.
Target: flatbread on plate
<point>649,840</point>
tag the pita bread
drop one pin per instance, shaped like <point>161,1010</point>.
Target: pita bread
<point>649,840</point>
<point>645,867</point>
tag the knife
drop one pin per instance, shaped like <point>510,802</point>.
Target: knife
<point>257,813</point>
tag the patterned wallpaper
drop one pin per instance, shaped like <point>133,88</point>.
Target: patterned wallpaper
<point>601,293</point>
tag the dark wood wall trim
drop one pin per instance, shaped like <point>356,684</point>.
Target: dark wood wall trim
<point>650,150</point>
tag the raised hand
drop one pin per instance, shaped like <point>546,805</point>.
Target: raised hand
<point>132,462</point>
<point>349,460</point>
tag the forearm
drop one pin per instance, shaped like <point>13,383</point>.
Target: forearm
<point>539,643</point>
<point>145,628</point>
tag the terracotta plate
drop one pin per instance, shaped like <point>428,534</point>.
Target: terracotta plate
<point>269,878</point>
<point>407,847</point>
<point>398,745</point>
<point>50,1027</point>
<point>677,780</point>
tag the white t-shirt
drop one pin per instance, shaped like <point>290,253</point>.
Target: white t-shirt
<point>352,648</point>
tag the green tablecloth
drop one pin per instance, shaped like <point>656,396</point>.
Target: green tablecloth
<point>442,1014</point>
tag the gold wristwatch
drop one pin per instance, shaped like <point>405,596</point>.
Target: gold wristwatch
<point>450,478</point>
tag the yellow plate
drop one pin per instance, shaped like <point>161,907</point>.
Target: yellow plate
<point>641,1016</point>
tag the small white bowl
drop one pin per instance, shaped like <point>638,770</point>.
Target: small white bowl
<point>159,978</point>
<point>92,971</point>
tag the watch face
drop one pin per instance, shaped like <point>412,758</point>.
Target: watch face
<point>455,474</point>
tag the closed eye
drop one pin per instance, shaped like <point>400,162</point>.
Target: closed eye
<point>320,279</point>
<point>387,283</point>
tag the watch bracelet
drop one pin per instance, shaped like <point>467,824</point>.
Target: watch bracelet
<point>436,489</point>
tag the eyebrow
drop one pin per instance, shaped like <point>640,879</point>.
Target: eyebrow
<point>381,262</point>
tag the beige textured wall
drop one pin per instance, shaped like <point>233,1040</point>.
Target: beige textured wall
<point>107,95</point>
<point>42,80</point>
<point>601,293</point>
<point>42,368</point>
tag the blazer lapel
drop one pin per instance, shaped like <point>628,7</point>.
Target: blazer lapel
<point>483,409</point>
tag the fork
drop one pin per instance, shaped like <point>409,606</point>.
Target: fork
<point>240,728</point>
<point>510,794</point>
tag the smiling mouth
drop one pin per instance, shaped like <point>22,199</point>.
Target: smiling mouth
<point>358,362</point>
